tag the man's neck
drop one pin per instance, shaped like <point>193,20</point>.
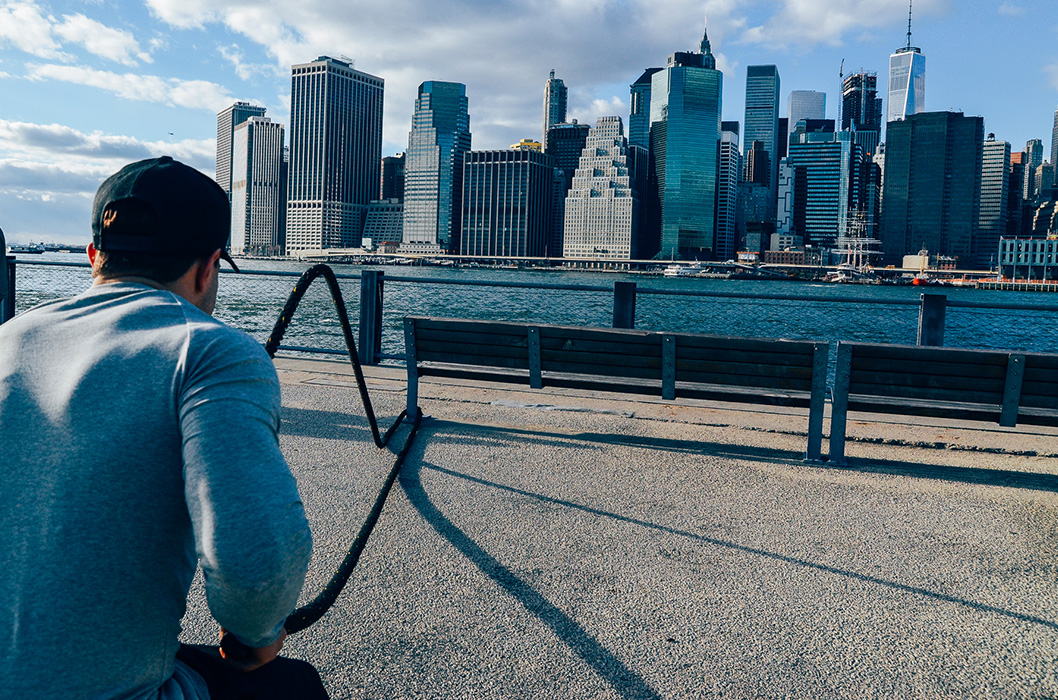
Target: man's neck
<point>100,279</point>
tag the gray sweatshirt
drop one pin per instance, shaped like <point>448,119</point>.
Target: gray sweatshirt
<point>138,438</point>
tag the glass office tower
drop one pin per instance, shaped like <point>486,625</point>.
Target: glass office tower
<point>907,83</point>
<point>932,185</point>
<point>433,167</point>
<point>555,94</point>
<point>685,101</point>
<point>805,104</point>
<point>762,118</point>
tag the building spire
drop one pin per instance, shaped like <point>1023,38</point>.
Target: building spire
<point>909,23</point>
<point>709,61</point>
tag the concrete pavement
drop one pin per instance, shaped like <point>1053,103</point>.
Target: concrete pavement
<point>555,544</point>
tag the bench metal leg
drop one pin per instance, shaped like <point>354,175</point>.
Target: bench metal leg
<point>413,369</point>
<point>820,356</point>
<point>668,367</point>
<point>839,405</point>
<point>1008,418</point>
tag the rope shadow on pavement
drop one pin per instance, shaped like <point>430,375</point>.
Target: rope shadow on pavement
<point>775,556</point>
<point>326,425</point>
<point>624,680</point>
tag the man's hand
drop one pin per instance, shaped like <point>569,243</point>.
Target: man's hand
<point>246,658</point>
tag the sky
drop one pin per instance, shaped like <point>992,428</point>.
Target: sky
<point>87,86</point>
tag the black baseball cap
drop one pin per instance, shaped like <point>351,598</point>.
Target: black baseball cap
<point>161,207</point>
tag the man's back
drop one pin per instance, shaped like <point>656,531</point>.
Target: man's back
<point>132,424</point>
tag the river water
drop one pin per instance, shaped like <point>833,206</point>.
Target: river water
<point>849,312</point>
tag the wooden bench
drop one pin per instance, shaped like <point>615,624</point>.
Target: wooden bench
<point>742,370</point>
<point>992,386</point>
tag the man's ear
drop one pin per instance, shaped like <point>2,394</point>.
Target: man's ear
<point>204,269</point>
<point>91,250</point>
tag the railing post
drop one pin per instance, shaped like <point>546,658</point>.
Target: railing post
<point>370,344</point>
<point>624,305</point>
<point>7,285</point>
<point>931,319</point>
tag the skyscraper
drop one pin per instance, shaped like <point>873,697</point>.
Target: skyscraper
<point>259,187</point>
<point>565,143</point>
<point>506,197</point>
<point>932,185</point>
<point>639,110</point>
<point>727,191</point>
<point>554,104</point>
<point>861,110</point>
<point>227,120</point>
<point>1054,141</point>
<point>994,211</point>
<point>825,187</point>
<point>685,102</point>
<point>335,153</point>
<point>602,209</point>
<point>433,169</point>
<point>762,123</point>
<point>393,177</point>
<point>805,104</point>
<point>907,79</point>
<point>1033,159</point>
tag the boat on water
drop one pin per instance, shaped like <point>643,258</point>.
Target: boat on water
<point>691,270</point>
<point>32,248</point>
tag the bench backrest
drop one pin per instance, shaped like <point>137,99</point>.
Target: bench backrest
<point>1000,379</point>
<point>790,372</point>
<point>645,355</point>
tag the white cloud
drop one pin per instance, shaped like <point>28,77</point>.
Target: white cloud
<point>1011,10</point>
<point>194,94</point>
<point>26,28</point>
<point>806,23</point>
<point>113,44</point>
<point>50,172</point>
<point>62,145</point>
<point>246,70</point>
<point>599,107</point>
<point>185,14</point>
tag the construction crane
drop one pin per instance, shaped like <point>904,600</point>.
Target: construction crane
<point>841,92</point>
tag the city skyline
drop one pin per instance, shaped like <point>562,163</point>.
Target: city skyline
<point>90,87</point>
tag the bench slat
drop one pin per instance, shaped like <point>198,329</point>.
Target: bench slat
<point>967,395</point>
<point>767,345</point>
<point>466,336</point>
<point>435,351</point>
<point>875,382</point>
<point>637,346</point>
<point>928,368</point>
<point>921,353</point>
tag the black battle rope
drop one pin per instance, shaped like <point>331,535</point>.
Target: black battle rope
<point>314,610</point>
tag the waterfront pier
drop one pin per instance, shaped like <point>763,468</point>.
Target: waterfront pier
<point>548,543</point>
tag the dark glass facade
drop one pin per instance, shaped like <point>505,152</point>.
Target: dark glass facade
<point>565,142</point>
<point>932,185</point>
<point>684,156</point>
<point>639,111</point>
<point>762,117</point>
<point>506,203</point>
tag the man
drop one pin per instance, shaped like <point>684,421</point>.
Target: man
<point>139,438</point>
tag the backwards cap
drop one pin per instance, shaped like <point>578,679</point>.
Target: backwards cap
<point>161,207</point>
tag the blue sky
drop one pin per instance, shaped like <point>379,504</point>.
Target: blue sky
<point>88,86</point>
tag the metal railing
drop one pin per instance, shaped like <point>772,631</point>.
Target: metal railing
<point>255,308</point>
